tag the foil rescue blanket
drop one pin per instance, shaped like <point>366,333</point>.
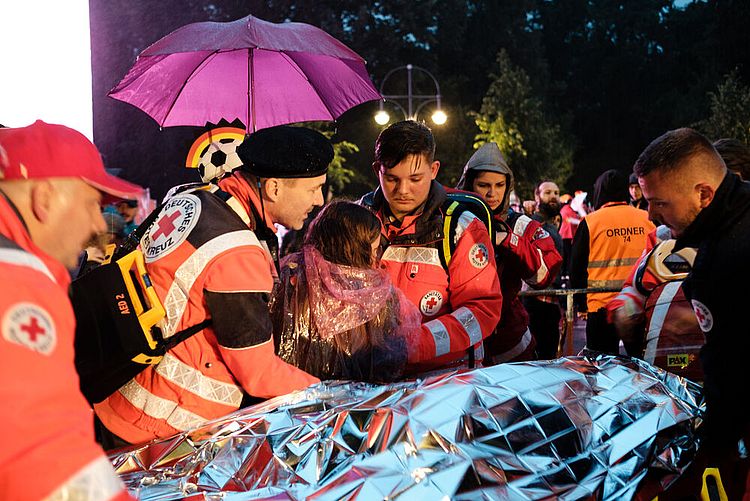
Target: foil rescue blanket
<point>572,428</point>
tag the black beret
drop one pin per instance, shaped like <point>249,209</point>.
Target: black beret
<point>286,152</point>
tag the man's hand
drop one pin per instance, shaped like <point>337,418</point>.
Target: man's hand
<point>529,206</point>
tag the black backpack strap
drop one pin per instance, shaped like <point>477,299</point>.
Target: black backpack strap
<point>184,334</point>
<point>455,205</point>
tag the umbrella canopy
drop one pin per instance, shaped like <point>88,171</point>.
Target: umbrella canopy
<point>262,73</point>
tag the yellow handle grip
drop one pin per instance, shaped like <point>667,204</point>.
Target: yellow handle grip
<point>147,318</point>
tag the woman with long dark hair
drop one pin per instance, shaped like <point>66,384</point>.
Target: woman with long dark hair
<point>336,313</point>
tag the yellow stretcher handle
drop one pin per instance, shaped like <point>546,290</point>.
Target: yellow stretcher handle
<point>148,318</point>
<point>717,492</point>
<point>713,474</point>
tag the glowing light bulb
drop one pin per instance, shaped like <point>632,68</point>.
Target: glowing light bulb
<point>382,117</point>
<point>439,117</point>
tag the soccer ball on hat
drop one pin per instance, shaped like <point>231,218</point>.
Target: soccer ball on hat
<point>214,153</point>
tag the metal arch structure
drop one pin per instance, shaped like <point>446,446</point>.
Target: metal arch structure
<point>410,113</point>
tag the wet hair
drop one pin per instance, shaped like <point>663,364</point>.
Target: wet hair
<point>669,151</point>
<point>736,156</point>
<point>343,233</point>
<point>401,139</point>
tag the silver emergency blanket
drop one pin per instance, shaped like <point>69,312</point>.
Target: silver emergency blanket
<point>572,428</point>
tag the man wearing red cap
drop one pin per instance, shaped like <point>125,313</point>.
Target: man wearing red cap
<point>51,179</point>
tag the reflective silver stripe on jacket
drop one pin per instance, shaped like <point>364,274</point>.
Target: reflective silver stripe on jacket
<point>96,481</point>
<point>657,320</point>
<point>630,291</point>
<point>464,220</point>
<point>479,352</point>
<point>22,258</point>
<point>426,255</point>
<point>191,379</point>
<point>160,408</point>
<point>470,324</point>
<point>613,263</point>
<point>185,276</point>
<point>521,223</point>
<point>516,350</point>
<point>440,336</point>
<point>541,272</point>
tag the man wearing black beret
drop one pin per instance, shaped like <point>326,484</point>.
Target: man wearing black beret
<point>211,254</point>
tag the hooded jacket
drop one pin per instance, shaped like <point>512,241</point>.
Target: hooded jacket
<point>523,251</point>
<point>488,158</point>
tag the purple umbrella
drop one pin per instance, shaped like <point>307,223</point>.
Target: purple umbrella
<point>262,73</point>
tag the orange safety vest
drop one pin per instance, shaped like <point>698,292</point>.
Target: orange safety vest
<point>197,243</point>
<point>617,236</point>
<point>48,449</point>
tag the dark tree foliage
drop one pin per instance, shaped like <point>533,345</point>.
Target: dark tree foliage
<point>614,74</point>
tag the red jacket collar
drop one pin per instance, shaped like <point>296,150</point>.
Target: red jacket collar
<point>239,187</point>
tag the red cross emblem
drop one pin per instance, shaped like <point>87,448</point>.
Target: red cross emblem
<point>479,256</point>
<point>29,325</point>
<point>166,225</point>
<point>703,315</point>
<point>430,303</point>
<point>700,316</point>
<point>33,329</point>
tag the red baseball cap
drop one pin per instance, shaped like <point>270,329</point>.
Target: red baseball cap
<point>43,150</point>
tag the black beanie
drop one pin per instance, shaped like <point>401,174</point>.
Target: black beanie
<point>286,152</point>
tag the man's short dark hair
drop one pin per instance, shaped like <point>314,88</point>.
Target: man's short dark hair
<point>401,139</point>
<point>670,150</point>
<point>736,156</point>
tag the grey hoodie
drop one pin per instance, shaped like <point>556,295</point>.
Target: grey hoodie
<point>487,158</point>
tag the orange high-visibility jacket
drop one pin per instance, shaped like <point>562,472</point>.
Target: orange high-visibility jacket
<point>617,235</point>
<point>48,449</point>
<point>204,261</point>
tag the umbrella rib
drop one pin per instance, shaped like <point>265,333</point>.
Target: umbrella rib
<point>250,90</point>
<point>185,82</point>
<point>317,92</point>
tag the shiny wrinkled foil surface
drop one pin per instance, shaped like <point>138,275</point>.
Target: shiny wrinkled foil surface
<point>572,428</point>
